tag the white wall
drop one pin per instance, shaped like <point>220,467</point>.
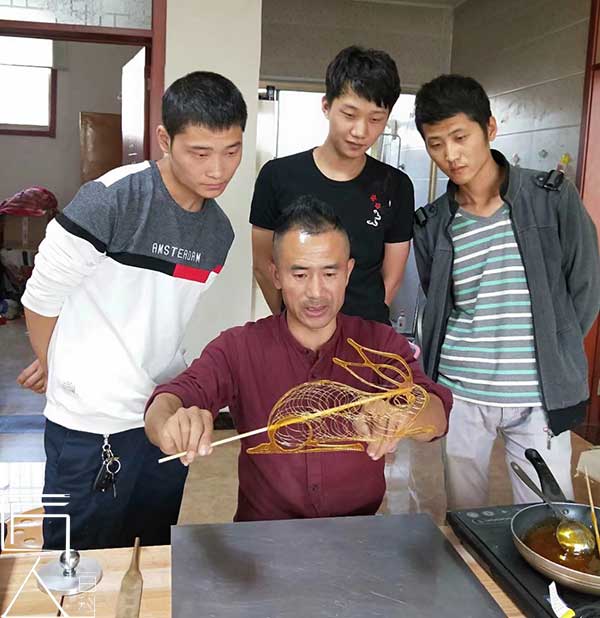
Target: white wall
<point>89,79</point>
<point>301,37</point>
<point>530,57</point>
<point>222,37</point>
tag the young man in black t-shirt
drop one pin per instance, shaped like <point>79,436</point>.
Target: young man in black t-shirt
<point>374,201</point>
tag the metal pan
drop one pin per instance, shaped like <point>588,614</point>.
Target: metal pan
<point>532,516</point>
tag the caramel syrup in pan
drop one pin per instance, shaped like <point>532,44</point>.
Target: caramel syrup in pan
<point>542,540</point>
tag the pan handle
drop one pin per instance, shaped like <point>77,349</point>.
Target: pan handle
<point>534,488</point>
<point>523,476</point>
<point>550,487</point>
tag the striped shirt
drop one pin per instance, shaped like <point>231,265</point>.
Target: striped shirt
<point>488,354</point>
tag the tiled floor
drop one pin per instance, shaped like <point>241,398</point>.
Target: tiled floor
<point>15,354</point>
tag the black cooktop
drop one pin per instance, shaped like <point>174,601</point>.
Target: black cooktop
<point>486,533</point>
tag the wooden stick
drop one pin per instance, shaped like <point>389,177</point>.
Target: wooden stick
<point>130,594</point>
<point>287,421</point>
<point>218,443</point>
<point>594,520</point>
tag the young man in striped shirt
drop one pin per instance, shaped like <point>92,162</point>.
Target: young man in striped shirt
<point>508,259</point>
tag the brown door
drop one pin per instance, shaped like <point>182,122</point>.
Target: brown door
<point>99,144</point>
<point>134,109</point>
<point>589,181</point>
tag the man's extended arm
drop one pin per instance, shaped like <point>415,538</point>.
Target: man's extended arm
<point>174,428</point>
<point>179,416</point>
<point>433,417</point>
<point>423,256</point>
<point>262,256</point>
<point>40,329</point>
<point>63,262</point>
<point>395,257</point>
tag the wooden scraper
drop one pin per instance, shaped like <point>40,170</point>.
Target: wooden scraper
<point>130,594</point>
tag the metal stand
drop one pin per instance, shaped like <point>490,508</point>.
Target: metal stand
<point>71,574</point>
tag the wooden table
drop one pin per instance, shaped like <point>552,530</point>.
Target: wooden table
<point>155,564</point>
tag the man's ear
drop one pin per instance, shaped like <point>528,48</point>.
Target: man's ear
<point>275,275</point>
<point>351,263</point>
<point>325,107</point>
<point>164,141</point>
<point>492,129</point>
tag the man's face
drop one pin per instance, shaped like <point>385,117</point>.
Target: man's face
<point>354,124</point>
<point>312,272</point>
<point>203,161</point>
<point>459,146</point>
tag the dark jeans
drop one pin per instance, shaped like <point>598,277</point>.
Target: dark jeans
<point>148,494</point>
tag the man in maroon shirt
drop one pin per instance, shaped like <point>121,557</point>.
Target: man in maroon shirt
<point>248,368</point>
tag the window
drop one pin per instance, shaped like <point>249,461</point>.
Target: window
<point>28,99</point>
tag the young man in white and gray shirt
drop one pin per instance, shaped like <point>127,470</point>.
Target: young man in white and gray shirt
<point>115,282</point>
<point>508,260</point>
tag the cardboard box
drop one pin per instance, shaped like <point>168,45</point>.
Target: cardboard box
<point>24,233</point>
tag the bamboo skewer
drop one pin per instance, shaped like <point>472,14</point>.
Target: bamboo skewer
<point>594,520</point>
<point>359,402</point>
<point>218,443</point>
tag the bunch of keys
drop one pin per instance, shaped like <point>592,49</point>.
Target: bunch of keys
<point>106,477</point>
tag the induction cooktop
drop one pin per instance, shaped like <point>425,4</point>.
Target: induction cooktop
<point>486,533</point>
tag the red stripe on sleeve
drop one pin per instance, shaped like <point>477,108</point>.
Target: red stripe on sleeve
<point>194,274</point>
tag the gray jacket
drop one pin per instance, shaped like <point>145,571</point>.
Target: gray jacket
<point>558,244</point>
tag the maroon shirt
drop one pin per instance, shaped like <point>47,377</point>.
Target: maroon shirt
<point>248,368</point>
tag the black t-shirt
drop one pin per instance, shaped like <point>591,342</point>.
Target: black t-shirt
<point>376,207</point>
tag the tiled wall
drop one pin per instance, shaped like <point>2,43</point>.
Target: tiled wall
<point>111,13</point>
<point>531,63</point>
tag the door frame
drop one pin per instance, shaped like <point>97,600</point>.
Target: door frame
<point>153,40</point>
<point>589,119</point>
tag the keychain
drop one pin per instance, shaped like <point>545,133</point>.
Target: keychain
<point>106,477</point>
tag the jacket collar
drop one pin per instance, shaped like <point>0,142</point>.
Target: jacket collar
<point>508,190</point>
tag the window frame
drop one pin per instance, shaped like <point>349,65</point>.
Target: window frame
<point>154,40</point>
<point>33,131</point>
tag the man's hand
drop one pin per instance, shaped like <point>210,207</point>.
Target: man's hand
<point>434,417</point>
<point>376,425</point>
<point>33,377</point>
<point>382,446</point>
<point>377,434</point>
<point>189,429</point>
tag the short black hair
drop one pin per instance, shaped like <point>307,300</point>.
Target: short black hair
<point>310,215</point>
<point>370,73</point>
<point>448,95</point>
<point>203,99</point>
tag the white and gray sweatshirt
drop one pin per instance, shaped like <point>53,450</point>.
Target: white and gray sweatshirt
<point>122,267</point>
